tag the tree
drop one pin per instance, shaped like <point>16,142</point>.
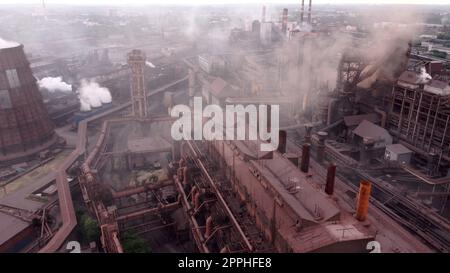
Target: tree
<point>132,243</point>
<point>89,228</point>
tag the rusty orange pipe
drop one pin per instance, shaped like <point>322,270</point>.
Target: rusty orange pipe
<point>362,209</point>
<point>193,192</point>
<point>209,226</point>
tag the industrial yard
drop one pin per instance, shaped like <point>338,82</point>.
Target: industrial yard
<point>357,98</point>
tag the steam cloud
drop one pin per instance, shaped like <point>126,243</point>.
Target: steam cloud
<point>150,64</point>
<point>54,84</point>
<point>92,95</point>
<point>424,76</point>
<point>6,44</point>
<point>384,52</point>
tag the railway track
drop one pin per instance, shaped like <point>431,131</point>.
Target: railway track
<point>433,229</point>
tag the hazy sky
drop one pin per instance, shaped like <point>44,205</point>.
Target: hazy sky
<point>141,2</point>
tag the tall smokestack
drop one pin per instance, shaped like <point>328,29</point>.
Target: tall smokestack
<point>309,11</point>
<point>331,174</point>
<point>308,130</point>
<point>284,20</point>
<point>304,165</point>
<point>362,208</point>
<point>322,136</point>
<point>282,141</point>
<point>302,11</point>
<point>263,18</point>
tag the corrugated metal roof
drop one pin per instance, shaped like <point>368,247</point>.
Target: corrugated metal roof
<point>438,84</point>
<point>409,77</point>
<point>10,226</point>
<point>370,130</point>
<point>398,149</point>
<point>357,119</point>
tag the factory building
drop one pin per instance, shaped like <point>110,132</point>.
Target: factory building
<point>420,116</point>
<point>398,152</point>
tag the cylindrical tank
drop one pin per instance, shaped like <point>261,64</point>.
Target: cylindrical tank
<point>25,126</point>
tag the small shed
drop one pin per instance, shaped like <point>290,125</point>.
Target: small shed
<point>399,153</point>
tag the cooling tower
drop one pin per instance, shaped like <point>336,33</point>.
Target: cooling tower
<point>25,126</point>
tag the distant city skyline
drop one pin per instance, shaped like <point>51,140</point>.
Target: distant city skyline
<point>202,2</point>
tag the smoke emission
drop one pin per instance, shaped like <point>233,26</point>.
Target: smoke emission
<point>6,44</point>
<point>424,76</point>
<point>92,95</point>
<point>54,84</point>
<point>150,64</point>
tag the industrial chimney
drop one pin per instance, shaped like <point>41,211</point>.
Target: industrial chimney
<point>25,126</point>
<point>362,208</point>
<point>304,164</point>
<point>284,20</point>
<point>302,11</point>
<point>331,175</point>
<point>309,11</point>
<point>263,17</point>
<point>282,141</point>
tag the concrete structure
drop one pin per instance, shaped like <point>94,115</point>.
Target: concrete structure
<point>420,115</point>
<point>293,215</point>
<point>139,105</point>
<point>399,153</point>
<point>25,126</point>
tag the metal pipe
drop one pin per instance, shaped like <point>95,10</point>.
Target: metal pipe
<point>197,200</point>
<point>142,189</point>
<point>198,237</point>
<point>209,226</point>
<point>117,243</point>
<point>150,211</point>
<point>219,197</point>
<point>362,209</point>
<point>417,117</point>
<point>185,175</point>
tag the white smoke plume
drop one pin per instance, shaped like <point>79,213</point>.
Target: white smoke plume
<point>150,64</point>
<point>92,95</point>
<point>6,44</point>
<point>54,84</point>
<point>424,76</point>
